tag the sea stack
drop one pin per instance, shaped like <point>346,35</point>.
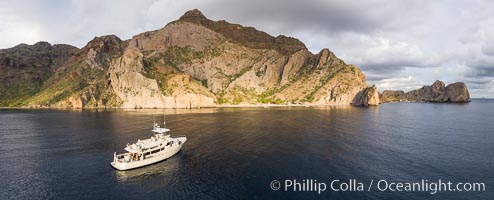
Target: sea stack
<point>367,97</point>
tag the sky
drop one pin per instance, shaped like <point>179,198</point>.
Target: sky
<point>399,45</point>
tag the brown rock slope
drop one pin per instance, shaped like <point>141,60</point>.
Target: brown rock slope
<point>437,92</point>
<point>196,62</point>
<point>24,68</point>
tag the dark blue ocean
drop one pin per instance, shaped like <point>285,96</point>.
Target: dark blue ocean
<point>237,153</point>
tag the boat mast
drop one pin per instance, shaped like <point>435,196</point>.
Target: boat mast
<point>154,123</point>
<point>164,119</point>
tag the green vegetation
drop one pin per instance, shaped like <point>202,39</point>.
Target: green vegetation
<point>176,55</point>
<point>237,75</point>
<point>16,94</point>
<point>237,100</point>
<point>261,71</point>
<point>265,96</point>
<point>325,76</point>
<point>305,70</point>
<point>220,98</point>
<point>64,84</point>
<point>239,95</point>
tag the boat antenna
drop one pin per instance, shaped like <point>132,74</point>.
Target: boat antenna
<point>164,119</point>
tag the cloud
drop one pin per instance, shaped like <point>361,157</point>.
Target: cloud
<point>477,71</point>
<point>330,17</point>
<point>384,55</point>
<point>401,83</point>
<point>476,53</point>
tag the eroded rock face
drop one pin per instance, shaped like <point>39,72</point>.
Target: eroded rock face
<point>100,50</point>
<point>367,97</point>
<point>130,85</point>
<point>437,92</point>
<point>457,92</point>
<point>433,93</point>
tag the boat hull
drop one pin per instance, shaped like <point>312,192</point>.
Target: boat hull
<point>122,166</point>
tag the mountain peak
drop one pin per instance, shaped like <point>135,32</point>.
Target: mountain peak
<point>193,16</point>
<point>438,84</point>
<point>42,44</point>
<point>101,41</point>
<point>247,36</point>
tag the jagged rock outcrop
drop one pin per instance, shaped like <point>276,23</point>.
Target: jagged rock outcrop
<point>82,79</point>
<point>457,92</point>
<point>130,85</point>
<point>367,97</point>
<point>437,92</point>
<point>434,93</point>
<point>197,62</point>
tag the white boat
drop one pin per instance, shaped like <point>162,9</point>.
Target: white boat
<point>148,151</point>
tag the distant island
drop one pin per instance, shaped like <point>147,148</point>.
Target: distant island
<point>437,92</point>
<point>191,62</point>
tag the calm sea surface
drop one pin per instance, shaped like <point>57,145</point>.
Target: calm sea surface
<point>235,153</point>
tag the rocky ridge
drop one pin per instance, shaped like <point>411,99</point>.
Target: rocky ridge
<point>24,68</point>
<point>437,92</point>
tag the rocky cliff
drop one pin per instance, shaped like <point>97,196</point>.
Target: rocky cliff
<point>367,97</point>
<point>191,62</point>
<point>437,92</point>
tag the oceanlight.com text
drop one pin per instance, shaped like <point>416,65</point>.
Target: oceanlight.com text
<point>354,185</point>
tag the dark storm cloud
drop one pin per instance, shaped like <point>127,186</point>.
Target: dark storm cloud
<point>328,16</point>
<point>373,76</point>
<point>479,82</point>
<point>391,66</point>
<point>488,50</point>
<point>481,71</point>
